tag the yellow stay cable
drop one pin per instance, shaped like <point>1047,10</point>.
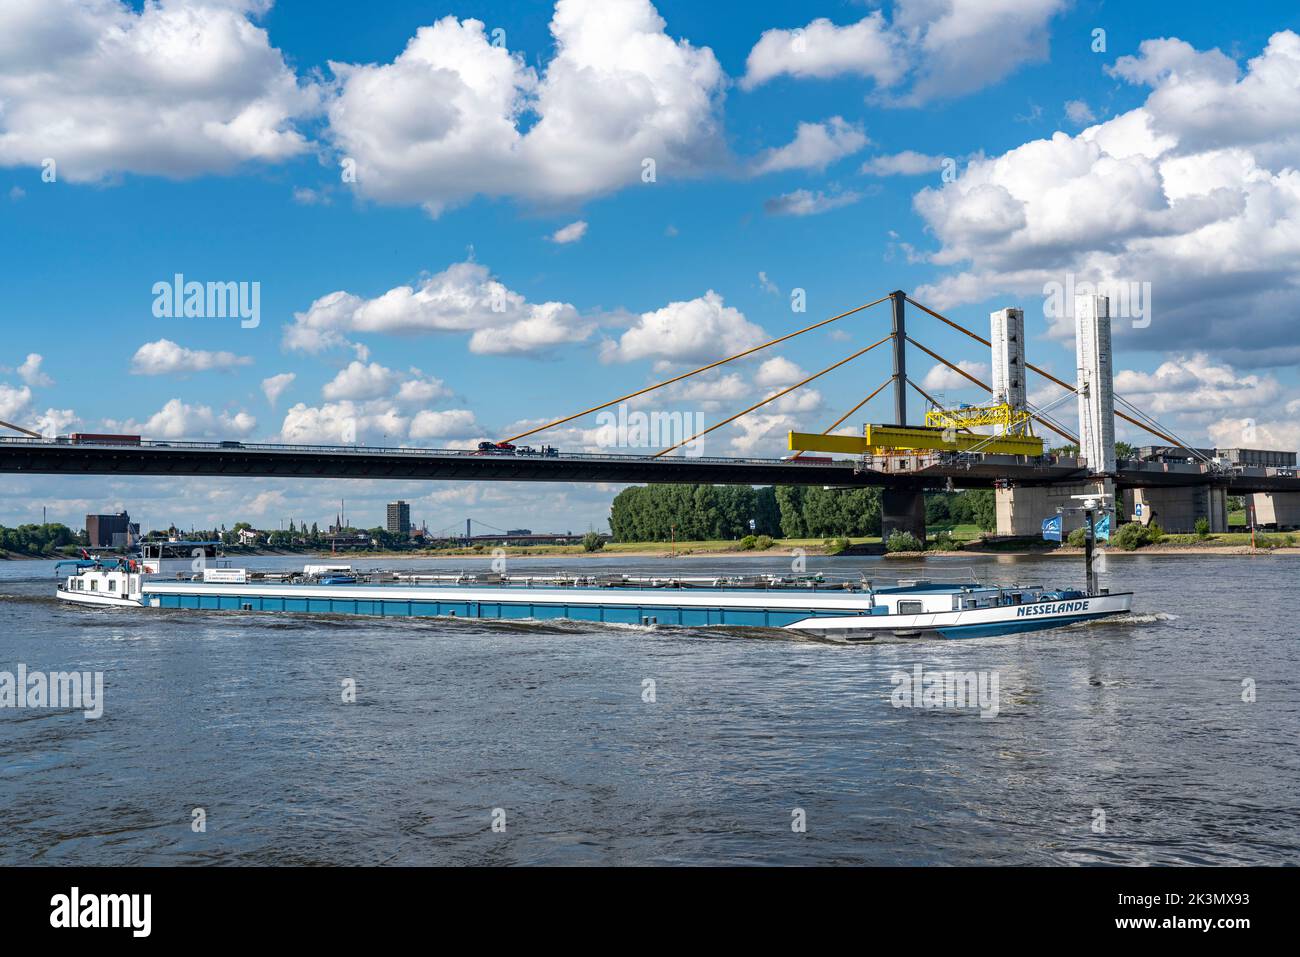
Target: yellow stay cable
<point>686,375</point>
<point>772,398</point>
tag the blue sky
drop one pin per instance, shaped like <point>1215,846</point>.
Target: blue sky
<point>796,147</point>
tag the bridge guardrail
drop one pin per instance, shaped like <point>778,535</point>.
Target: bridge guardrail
<point>401,450</point>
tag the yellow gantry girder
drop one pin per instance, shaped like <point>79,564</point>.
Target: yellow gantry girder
<point>883,439</point>
<point>1010,421</point>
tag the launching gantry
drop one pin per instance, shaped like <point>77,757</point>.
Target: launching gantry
<point>953,430</point>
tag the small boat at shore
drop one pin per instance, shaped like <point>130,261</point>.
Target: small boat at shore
<point>851,610</point>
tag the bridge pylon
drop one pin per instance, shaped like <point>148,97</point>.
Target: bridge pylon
<point>1095,384</point>
<point>898,300</point>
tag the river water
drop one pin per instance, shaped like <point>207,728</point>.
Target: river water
<point>225,738</point>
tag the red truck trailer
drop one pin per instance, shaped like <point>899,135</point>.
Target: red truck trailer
<point>102,438</point>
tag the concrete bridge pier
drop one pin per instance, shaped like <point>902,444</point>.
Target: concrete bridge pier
<point>1281,510</point>
<point>902,510</point>
<point>1177,509</point>
<point>1021,509</point>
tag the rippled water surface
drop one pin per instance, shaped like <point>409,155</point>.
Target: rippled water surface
<point>241,715</point>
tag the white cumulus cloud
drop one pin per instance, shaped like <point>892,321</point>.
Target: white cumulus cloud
<point>570,233</point>
<point>180,420</point>
<point>821,50</point>
<point>906,163</point>
<point>165,357</point>
<point>815,146</point>
<point>176,88</point>
<point>359,380</point>
<point>696,330</point>
<point>377,422</point>
<point>940,377</point>
<point>462,298</point>
<point>16,408</point>
<point>276,385</point>
<point>13,400</point>
<point>778,372</point>
<point>30,371</point>
<point>455,115</point>
<point>928,50</point>
<point>1196,192</point>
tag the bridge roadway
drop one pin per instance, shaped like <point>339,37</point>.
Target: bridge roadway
<point>247,460</point>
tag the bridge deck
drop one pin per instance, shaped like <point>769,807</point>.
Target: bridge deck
<point>19,455</point>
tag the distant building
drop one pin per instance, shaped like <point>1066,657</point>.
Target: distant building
<point>111,531</point>
<point>399,519</point>
<point>249,536</point>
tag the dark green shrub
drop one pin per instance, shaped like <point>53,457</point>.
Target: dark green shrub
<point>836,546</point>
<point>943,542</point>
<point>1130,537</point>
<point>902,541</point>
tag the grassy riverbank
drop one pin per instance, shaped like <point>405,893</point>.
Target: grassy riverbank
<point>959,540</point>
<point>965,540</point>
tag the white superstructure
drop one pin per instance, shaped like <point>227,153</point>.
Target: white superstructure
<point>113,587</point>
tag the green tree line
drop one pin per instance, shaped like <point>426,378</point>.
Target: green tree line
<point>651,513</point>
<point>816,512</point>
<point>38,539</point>
<point>655,513</point>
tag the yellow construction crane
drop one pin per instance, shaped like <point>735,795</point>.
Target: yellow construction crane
<point>884,439</point>
<point>947,430</point>
<point>1009,421</point>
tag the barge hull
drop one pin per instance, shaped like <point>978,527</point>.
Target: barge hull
<point>838,617</point>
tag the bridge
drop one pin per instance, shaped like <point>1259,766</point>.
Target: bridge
<point>252,460</point>
<point>904,474</point>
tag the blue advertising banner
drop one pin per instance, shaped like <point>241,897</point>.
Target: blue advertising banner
<point>1052,529</point>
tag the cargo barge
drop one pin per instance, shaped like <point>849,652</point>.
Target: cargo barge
<point>855,610</point>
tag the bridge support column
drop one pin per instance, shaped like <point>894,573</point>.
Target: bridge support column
<point>902,510</point>
<point>1021,510</point>
<point>1177,509</point>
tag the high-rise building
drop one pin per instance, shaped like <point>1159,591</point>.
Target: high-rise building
<point>399,519</point>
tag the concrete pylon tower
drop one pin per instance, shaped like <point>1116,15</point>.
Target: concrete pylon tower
<point>1007,333</point>
<point>1095,383</point>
